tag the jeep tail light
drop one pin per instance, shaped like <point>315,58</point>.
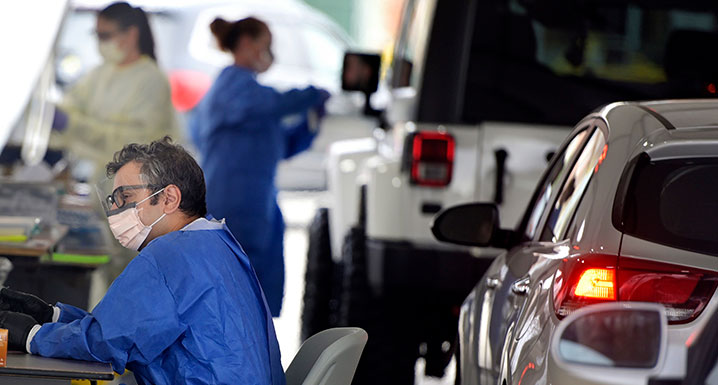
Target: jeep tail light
<point>432,158</point>
<point>595,278</point>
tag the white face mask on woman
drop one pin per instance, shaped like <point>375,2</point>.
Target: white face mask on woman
<point>265,60</point>
<point>127,227</point>
<point>111,52</point>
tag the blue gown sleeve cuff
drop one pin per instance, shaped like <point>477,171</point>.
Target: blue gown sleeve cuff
<point>69,313</point>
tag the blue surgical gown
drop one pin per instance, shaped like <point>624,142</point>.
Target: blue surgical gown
<point>238,128</point>
<point>187,310</point>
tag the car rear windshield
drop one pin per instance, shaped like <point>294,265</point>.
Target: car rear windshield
<point>675,203</point>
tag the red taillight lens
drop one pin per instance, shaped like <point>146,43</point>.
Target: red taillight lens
<point>684,291</point>
<point>188,88</point>
<point>584,280</point>
<point>597,284</point>
<point>591,279</point>
<point>432,158</point>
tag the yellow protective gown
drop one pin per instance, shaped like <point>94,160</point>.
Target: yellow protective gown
<point>115,105</point>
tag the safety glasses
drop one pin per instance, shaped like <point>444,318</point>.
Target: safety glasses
<point>120,195</point>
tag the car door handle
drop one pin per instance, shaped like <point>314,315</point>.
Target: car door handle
<point>521,287</point>
<point>492,282</point>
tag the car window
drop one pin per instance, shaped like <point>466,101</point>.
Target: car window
<point>413,40</point>
<point>77,45</point>
<point>325,53</point>
<point>551,183</point>
<point>674,202</point>
<point>287,46</point>
<point>570,195</point>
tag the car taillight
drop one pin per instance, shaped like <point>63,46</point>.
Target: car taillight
<point>684,291</point>
<point>432,158</point>
<point>597,284</point>
<point>187,88</point>
<point>584,280</point>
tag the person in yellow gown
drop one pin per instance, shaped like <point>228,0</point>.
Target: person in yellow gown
<point>124,100</point>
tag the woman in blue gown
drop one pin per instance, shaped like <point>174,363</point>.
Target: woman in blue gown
<point>239,130</point>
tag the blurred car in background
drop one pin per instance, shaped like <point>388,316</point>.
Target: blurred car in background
<point>307,45</point>
<point>626,211</point>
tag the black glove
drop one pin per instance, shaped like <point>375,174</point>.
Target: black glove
<point>29,304</point>
<point>18,327</point>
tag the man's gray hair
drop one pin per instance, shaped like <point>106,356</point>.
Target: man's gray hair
<point>164,163</point>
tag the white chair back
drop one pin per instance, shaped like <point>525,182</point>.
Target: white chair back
<point>328,357</point>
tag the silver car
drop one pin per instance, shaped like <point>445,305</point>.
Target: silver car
<point>626,211</point>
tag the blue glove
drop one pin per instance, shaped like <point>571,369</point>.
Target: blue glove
<point>18,327</point>
<point>59,120</point>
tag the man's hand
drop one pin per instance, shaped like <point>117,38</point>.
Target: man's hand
<point>29,304</point>
<point>18,327</point>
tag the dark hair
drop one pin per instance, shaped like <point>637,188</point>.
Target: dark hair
<point>127,16</point>
<point>164,163</point>
<point>229,33</point>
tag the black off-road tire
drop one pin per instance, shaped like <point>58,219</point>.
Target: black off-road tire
<point>318,278</point>
<point>391,352</point>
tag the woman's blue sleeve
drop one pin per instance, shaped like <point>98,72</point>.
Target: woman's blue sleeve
<point>299,138</point>
<point>135,321</point>
<point>260,102</point>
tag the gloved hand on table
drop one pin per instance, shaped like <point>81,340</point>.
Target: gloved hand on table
<point>18,327</point>
<point>29,304</point>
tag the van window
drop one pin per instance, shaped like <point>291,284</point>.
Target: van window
<point>553,62</point>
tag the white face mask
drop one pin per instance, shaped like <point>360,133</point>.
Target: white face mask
<point>111,52</point>
<point>264,61</point>
<point>127,227</point>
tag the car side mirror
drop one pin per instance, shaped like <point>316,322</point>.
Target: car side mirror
<point>360,72</point>
<point>625,339</point>
<point>472,224</point>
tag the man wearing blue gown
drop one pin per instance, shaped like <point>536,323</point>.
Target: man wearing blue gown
<point>188,309</point>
